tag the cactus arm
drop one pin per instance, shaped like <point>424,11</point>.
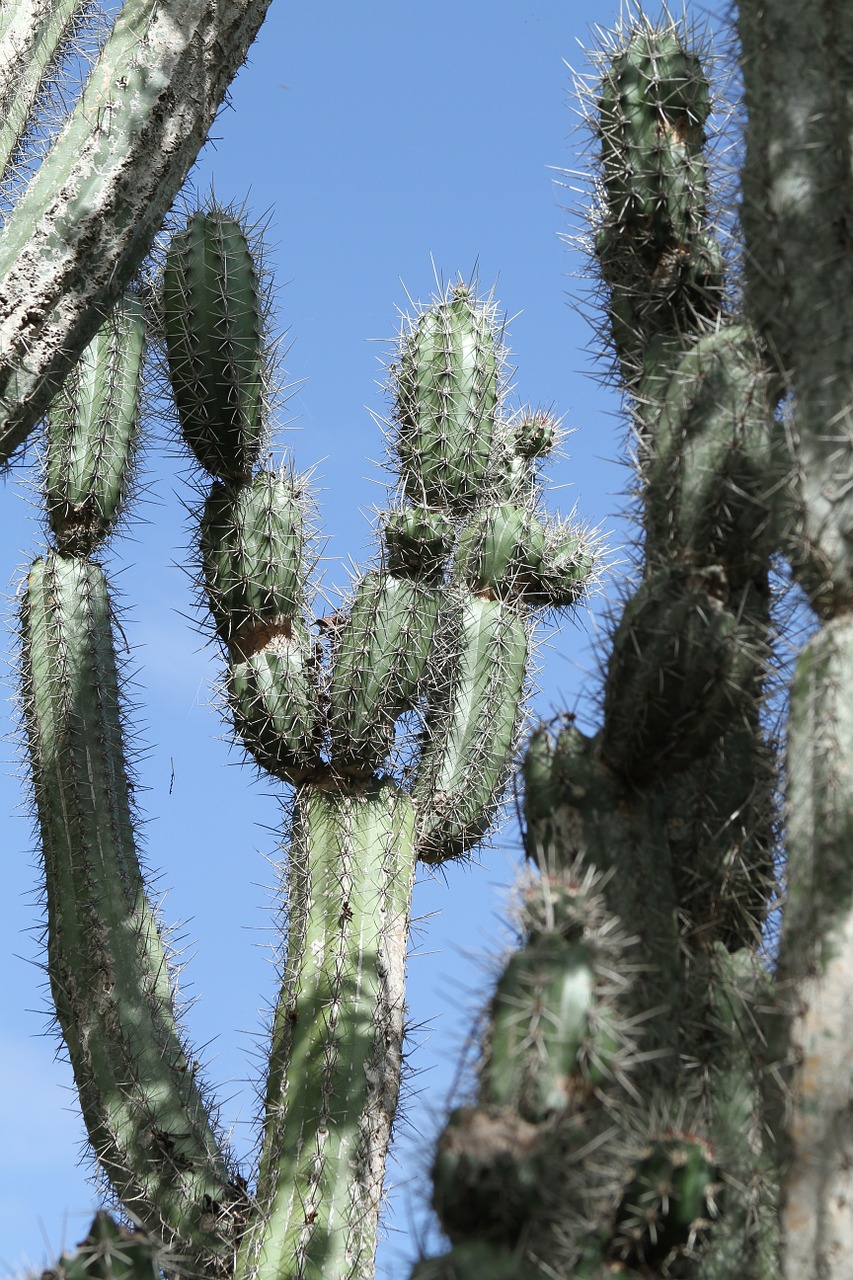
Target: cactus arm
<point>32,36</point>
<point>77,236</point>
<point>471,732</point>
<point>106,959</point>
<point>796,207</point>
<point>107,962</point>
<point>624,1177</point>
<point>816,954</point>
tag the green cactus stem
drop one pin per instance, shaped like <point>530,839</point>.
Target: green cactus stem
<point>107,961</point>
<point>336,1047</point>
<point>32,41</point>
<point>440,628</point>
<point>253,551</point>
<point>799,276</point>
<point>446,402</point>
<point>76,237</point>
<point>92,433</point>
<point>643,1102</point>
<point>213,313</point>
<point>110,1252</point>
<point>471,725</point>
<point>379,659</point>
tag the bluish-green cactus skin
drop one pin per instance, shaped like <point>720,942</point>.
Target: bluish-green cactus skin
<point>213,341</point>
<point>110,1252</point>
<point>92,431</point>
<point>628,1118</point>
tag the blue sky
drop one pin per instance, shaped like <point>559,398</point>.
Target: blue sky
<point>386,143</point>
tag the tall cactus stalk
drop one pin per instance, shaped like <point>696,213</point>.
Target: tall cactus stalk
<point>796,204</point>
<point>79,232</point>
<point>619,1123</point>
<point>438,631</point>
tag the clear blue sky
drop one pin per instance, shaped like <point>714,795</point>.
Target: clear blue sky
<point>381,138</point>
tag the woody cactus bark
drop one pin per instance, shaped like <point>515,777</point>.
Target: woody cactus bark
<point>438,631</point>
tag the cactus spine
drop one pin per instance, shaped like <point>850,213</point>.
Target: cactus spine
<point>628,1118</point>
<point>439,630</point>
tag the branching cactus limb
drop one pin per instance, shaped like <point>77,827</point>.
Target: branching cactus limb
<point>146,1119</point>
<point>79,232</point>
<point>796,206</point>
<point>439,630</point>
<point>655,1152</point>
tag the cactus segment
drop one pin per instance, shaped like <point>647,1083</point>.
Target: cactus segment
<point>446,401</point>
<point>110,1252</point>
<point>655,100</point>
<point>474,1260</point>
<point>417,542</point>
<point>213,320</point>
<point>487,1171</point>
<point>547,1042</point>
<point>501,551</point>
<point>664,271</point>
<point>682,666</point>
<point>253,554</point>
<point>274,702</point>
<point>92,431</point>
<point>711,460</point>
<point>379,658</point>
<point>472,717</point>
<point>28,50</point>
<point>337,1037</point>
<point>670,1202</point>
<point>107,964</point>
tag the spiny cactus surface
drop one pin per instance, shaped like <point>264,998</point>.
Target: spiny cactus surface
<point>437,634</point>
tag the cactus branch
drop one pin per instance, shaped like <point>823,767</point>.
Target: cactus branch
<point>77,236</point>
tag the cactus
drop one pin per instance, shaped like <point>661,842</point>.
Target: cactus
<point>74,239</point>
<point>659,1094</point>
<point>619,1123</point>
<point>439,630</point>
<point>110,1252</point>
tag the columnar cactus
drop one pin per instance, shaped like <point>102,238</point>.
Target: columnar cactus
<point>438,631</point>
<point>796,202</point>
<point>618,1124</point>
<point>657,1095</point>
